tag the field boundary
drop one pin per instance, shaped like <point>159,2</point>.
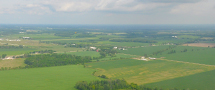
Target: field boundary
<point>185,62</point>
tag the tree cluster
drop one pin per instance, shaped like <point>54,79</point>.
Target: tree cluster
<point>185,50</point>
<point>85,35</point>
<point>117,84</point>
<point>47,60</point>
<point>77,45</point>
<point>107,50</point>
<point>43,51</point>
<point>133,40</point>
<point>171,52</point>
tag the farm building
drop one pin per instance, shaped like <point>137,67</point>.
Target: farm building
<point>114,47</point>
<point>174,36</point>
<point>143,58</point>
<point>8,58</point>
<point>94,48</point>
<point>152,58</point>
<point>21,32</point>
<point>26,37</point>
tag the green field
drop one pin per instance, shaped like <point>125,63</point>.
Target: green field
<point>194,54</point>
<point>143,72</point>
<point>201,81</point>
<point>50,78</point>
<point>129,44</point>
<point>16,51</point>
<point>118,56</point>
<point>143,50</point>
<point>35,36</point>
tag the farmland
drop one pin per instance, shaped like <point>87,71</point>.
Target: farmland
<point>54,78</point>
<point>193,54</point>
<point>143,50</point>
<point>60,57</point>
<point>141,72</point>
<point>15,51</point>
<point>200,81</point>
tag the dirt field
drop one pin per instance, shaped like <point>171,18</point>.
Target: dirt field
<point>200,44</point>
<point>12,63</point>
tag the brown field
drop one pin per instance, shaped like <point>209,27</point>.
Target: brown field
<point>154,72</point>
<point>200,44</point>
<point>12,63</point>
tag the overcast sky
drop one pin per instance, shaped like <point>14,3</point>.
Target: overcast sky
<point>107,11</point>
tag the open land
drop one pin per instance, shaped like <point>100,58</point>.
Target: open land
<point>183,58</point>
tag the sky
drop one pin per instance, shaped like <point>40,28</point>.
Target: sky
<point>107,11</point>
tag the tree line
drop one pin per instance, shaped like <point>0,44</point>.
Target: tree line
<point>112,85</point>
<point>133,40</point>
<point>48,60</point>
<point>11,46</point>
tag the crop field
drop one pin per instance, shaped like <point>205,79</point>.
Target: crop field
<point>129,44</point>
<point>51,78</point>
<point>85,53</point>
<point>200,81</point>
<point>68,40</point>
<point>200,44</point>
<point>188,36</point>
<point>29,43</point>
<point>36,36</point>
<point>143,50</point>
<point>143,72</point>
<point>194,54</point>
<point>12,63</point>
<point>61,49</point>
<point>15,51</point>
<point>118,56</point>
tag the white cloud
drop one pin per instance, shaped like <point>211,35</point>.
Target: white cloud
<point>126,5</point>
<point>199,8</point>
<point>73,6</point>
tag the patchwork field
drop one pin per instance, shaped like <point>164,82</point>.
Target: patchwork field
<point>142,72</point>
<point>51,78</point>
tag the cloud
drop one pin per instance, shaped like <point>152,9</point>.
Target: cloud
<point>126,5</point>
<point>199,8</point>
<point>41,7</point>
<point>175,1</point>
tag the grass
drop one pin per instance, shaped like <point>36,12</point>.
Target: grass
<point>15,51</point>
<point>143,50</point>
<point>122,43</point>
<point>143,72</point>
<point>198,55</point>
<point>12,63</point>
<point>35,36</point>
<point>51,78</point>
<point>200,81</point>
